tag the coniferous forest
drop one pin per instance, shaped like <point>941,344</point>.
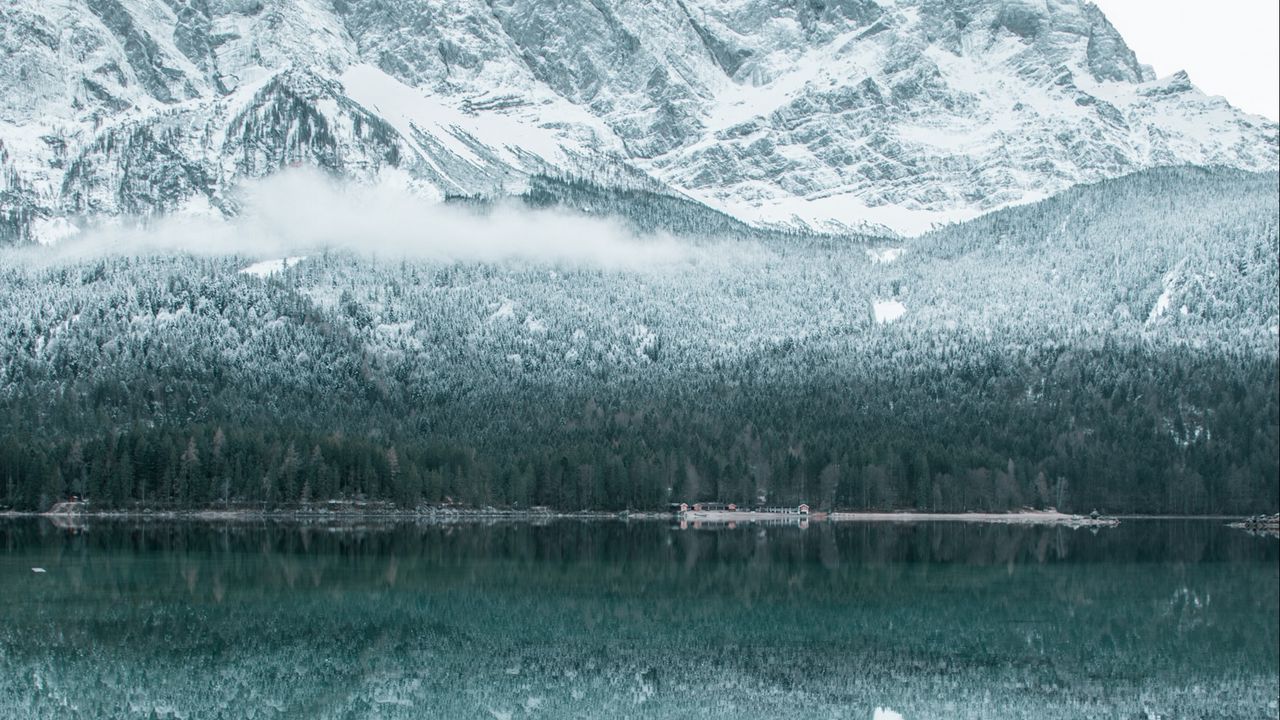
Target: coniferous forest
<point>1113,348</point>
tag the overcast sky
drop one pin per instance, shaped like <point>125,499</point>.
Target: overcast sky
<point>1228,47</point>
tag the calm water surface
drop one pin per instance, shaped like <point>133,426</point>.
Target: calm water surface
<point>610,620</point>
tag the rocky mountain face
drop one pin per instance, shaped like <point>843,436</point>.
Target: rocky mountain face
<point>831,114</point>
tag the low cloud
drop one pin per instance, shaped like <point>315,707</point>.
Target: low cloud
<point>301,211</point>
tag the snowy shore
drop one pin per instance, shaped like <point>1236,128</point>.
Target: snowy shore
<point>330,511</point>
<point>1268,525</point>
<point>1024,517</point>
<point>384,512</point>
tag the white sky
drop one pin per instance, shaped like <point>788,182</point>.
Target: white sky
<point>1228,47</point>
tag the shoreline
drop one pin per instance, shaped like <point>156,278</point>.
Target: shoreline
<point>1266,525</point>
<point>1024,517</point>
<point>66,513</point>
<point>70,514</point>
<point>340,516</point>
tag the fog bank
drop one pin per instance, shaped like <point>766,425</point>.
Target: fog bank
<point>303,211</point>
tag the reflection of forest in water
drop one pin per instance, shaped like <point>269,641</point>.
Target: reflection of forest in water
<point>615,542</point>
<point>605,617</point>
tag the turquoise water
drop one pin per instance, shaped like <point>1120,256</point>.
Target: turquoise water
<point>613,620</point>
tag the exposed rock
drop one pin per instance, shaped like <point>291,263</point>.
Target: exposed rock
<point>840,114</point>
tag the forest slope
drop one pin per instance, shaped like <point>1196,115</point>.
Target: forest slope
<point>1111,347</point>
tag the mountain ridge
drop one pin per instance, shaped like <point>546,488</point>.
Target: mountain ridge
<point>842,116</point>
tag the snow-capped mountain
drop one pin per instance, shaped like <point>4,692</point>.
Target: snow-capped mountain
<point>838,114</point>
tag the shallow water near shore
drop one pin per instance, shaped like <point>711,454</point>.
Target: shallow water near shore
<point>598,619</point>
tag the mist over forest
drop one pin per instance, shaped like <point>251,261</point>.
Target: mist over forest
<point>1113,347</point>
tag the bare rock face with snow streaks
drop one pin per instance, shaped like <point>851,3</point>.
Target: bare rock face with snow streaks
<point>841,114</point>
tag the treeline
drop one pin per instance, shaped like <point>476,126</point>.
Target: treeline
<point>1113,430</point>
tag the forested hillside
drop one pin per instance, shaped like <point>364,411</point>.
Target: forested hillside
<point>1114,347</point>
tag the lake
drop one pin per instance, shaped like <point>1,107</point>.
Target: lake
<point>1167,619</point>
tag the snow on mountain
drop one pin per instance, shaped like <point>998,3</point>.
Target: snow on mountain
<point>845,114</point>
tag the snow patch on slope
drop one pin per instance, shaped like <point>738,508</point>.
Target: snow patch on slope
<point>1171,281</point>
<point>887,311</point>
<point>879,256</point>
<point>267,268</point>
<point>844,211</point>
<point>411,112</point>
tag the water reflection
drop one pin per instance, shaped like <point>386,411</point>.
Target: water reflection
<point>573,619</point>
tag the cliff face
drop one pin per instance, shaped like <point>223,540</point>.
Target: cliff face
<point>836,114</point>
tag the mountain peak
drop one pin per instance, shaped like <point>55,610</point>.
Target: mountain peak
<point>835,114</point>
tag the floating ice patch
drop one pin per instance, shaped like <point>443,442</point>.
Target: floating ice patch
<point>267,268</point>
<point>886,311</point>
<point>37,570</point>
